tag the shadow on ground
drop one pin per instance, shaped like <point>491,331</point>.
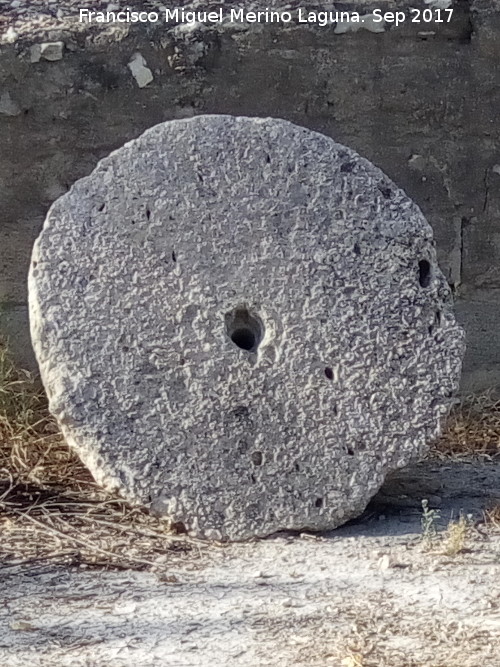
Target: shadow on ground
<point>453,488</point>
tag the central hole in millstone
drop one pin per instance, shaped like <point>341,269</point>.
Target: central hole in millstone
<point>244,329</point>
<point>244,338</point>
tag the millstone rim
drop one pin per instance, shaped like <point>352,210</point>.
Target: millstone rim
<point>221,334</point>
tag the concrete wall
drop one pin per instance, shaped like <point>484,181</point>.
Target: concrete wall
<point>423,107</point>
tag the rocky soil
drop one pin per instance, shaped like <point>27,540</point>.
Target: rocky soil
<point>383,591</point>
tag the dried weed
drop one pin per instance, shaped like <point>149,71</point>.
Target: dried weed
<point>472,429</point>
<point>455,537</point>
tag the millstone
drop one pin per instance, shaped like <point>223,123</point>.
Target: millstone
<point>242,324</point>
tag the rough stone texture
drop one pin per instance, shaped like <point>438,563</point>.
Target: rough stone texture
<point>244,323</point>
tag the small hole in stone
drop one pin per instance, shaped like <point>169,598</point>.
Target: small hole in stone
<point>437,322</point>
<point>244,338</point>
<point>424,273</point>
<point>174,256</point>
<point>241,413</point>
<point>148,213</point>
<point>357,249</point>
<point>35,264</point>
<point>297,467</point>
<point>102,207</point>
<point>329,373</point>
<point>350,451</point>
<point>257,458</point>
<point>319,502</point>
<point>268,159</point>
<point>243,446</point>
<point>244,329</point>
<point>347,167</point>
<point>178,527</point>
<point>386,192</point>
<point>252,477</point>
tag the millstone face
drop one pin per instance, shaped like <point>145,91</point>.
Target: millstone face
<point>242,323</point>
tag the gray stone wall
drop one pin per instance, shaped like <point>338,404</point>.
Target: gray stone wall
<point>419,101</point>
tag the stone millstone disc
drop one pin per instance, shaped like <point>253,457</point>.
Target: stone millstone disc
<point>241,323</point>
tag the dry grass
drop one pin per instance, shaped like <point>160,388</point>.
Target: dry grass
<point>31,448</point>
<point>353,659</point>
<point>473,428</point>
<point>492,516</point>
<point>50,506</point>
<point>450,542</point>
<point>455,537</point>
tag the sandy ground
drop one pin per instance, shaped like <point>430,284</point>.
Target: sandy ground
<point>372,593</point>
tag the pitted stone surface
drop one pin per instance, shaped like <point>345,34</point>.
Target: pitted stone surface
<point>242,323</point>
